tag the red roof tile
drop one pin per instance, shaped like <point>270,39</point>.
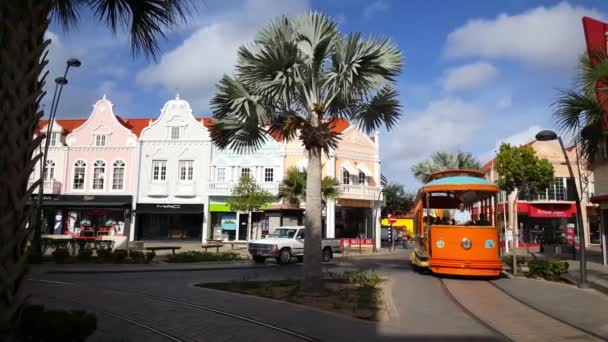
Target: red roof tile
<point>339,125</point>
<point>137,125</point>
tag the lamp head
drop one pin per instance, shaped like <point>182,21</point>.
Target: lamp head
<point>61,80</point>
<point>546,135</point>
<point>73,62</point>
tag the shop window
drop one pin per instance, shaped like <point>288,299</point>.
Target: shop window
<point>159,170</point>
<point>186,170</point>
<point>79,173</point>
<point>345,177</point>
<point>99,172</point>
<point>221,174</point>
<point>118,175</point>
<point>361,178</point>
<point>246,172</point>
<point>268,175</point>
<point>101,140</point>
<point>49,170</point>
<point>175,133</point>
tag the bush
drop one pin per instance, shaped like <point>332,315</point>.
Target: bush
<point>508,260</point>
<point>194,256</point>
<point>60,255</point>
<point>85,254</point>
<point>104,253</point>
<point>138,256</point>
<point>363,278</point>
<point>39,325</point>
<point>547,269</point>
<point>119,255</point>
<point>150,256</point>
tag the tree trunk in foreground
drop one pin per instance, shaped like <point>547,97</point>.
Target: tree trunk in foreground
<point>313,275</point>
<point>22,59</point>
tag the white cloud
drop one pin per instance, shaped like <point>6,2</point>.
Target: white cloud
<point>517,139</point>
<point>469,76</point>
<point>374,8</point>
<point>194,67</point>
<point>504,102</point>
<point>543,36</point>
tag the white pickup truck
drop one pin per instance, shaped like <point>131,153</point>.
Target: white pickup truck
<point>288,242</point>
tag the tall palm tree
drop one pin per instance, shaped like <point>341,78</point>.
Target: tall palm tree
<point>23,57</point>
<point>293,187</point>
<point>294,79</point>
<point>579,112</point>
<point>443,160</point>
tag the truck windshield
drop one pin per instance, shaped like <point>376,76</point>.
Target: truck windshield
<point>284,233</point>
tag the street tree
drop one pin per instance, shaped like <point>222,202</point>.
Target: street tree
<point>293,188</point>
<point>23,57</point>
<point>521,171</point>
<point>397,199</point>
<point>248,196</point>
<point>295,79</point>
<point>443,160</point>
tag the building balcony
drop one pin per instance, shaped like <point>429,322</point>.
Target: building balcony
<point>225,188</point>
<point>158,189</point>
<point>49,187</point>
<point>360,192</point>
<point>185,189</point>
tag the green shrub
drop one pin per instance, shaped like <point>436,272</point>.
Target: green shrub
<point>194,256</point>
<point>363,278</point>
<point>547,269</point>
<point>85,254</point>
<point>39,325</point>
<point>119,255</point>
<point>508,260</point>
<point>138,256</point>
<point>149,256</point>
<point>60,255</point>
<point>104,253</point>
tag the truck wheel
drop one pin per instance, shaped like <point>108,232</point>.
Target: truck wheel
<point>284,256</point>
<point>259,259</point>
<point>300,258</point>
<point>327,254</point>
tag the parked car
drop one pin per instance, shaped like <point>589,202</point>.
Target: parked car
<point>288,242</point>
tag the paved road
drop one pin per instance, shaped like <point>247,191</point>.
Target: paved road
<point>426,307</point>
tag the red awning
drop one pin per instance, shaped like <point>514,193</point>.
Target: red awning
<point>547,210</point>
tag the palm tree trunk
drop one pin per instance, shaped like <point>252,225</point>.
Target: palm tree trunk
<point>313,277</point>
<point>22,59</point>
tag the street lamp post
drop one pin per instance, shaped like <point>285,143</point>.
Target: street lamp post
<point>375,210</point>
<point>547,135</point>
<point>59,83</point>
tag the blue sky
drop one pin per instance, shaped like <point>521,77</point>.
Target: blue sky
<point>476,72</point>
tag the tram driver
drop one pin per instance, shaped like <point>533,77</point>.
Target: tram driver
<point>462,216</point>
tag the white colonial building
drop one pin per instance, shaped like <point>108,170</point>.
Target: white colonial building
<point>172,193</point>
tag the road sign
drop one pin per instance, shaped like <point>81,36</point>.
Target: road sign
<point>392,219</point>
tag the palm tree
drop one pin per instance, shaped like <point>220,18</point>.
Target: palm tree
<point>297,76</point>
<point>443,160</point>
<point>293,187</point>
<point>579,113</point>
<point>23,56</point>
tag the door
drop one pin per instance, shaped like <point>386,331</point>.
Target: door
<point>298,246</point>
<point>242,230</point>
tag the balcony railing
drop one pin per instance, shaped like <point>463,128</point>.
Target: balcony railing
<point>363,192</point>
<point>225,188</point>
<point>50,187</point>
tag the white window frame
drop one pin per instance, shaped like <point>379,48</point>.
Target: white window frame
<point>220,177</point>
<point>269,171</point>
<point>345,177</point>
<point>175,129</point>
<point>49,171</point>
<point>79,164</point>
<point>162,171</point>
<point>361,180</point>
<point>101,140</point>
<point>248,172</point>
<point>99,164</point>
<point>53,138</point>
<point>118,165</point>
<point>187,166</point>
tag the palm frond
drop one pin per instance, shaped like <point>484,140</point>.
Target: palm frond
<point>329,188</point>
<point>316,34</point>
<point>67,12</point>
<point>383,108</point>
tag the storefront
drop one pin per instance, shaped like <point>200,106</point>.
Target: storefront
<point>169,221</point>
<point>86,215</point>
<point>546,221</point>
<point>354,219</point>
<point>227,225</point>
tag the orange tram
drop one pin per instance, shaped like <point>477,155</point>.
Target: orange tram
<point>446,246</point>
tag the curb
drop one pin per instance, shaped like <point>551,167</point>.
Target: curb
<point>599,288</point>
<point>148,270</point>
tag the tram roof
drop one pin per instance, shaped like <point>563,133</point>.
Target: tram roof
<point>460,183</point>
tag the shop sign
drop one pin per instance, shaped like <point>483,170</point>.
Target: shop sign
<point>169,208</point>
<point>551,211</point>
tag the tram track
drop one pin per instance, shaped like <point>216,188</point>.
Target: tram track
<point>204,308</point>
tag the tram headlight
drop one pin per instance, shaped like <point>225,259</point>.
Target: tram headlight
<point>440,243</point>
<point>466,243</point>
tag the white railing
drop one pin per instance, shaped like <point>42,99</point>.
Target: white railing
<point>359,192</point>
<point>51,187</point>
<point>225,188</point>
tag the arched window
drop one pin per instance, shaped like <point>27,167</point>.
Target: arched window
<point>345,177</point>
<point>79,173</point>
<point>99,173</point>
<point>118,175</point>
<point>361,178</point>
<point>49,170</point>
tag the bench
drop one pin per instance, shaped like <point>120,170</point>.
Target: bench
<point>163,248</point>
<point>215,245</point>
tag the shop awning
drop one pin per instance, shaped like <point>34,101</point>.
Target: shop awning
<point>86,201</point>
<point>363,169</point>
<point>348,167</point>
<point>167,208</point>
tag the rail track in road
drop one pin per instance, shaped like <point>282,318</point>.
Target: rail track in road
<point>162,332</point>
<point>490,321</point>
